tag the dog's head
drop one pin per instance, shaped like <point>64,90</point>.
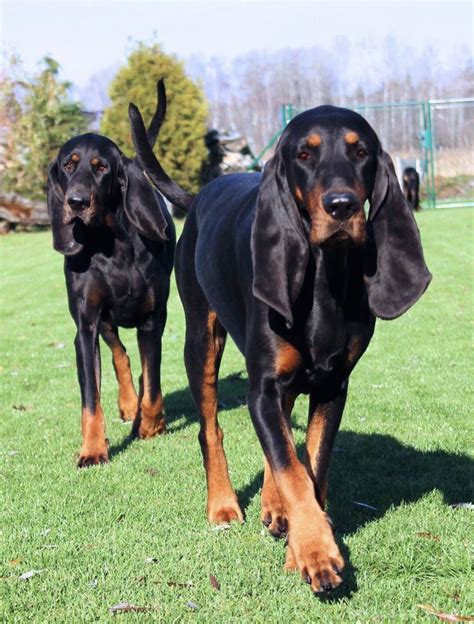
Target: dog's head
<point>327,164</point>
<point>88,182</point>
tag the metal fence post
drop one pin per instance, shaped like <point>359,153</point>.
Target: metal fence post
<point>427,142</point>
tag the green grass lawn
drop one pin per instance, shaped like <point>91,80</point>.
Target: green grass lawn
<point>135,530</point>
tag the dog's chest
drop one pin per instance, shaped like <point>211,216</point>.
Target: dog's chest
<point>129,294</point>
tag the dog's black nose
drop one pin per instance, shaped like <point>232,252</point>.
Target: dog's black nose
<point>78,202</point>
<point>341,205</point>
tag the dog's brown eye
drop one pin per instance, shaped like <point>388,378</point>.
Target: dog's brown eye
<point>361,153</point>
<point>303,155</point>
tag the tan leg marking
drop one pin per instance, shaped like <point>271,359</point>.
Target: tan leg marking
<point>222,503</point>
<point>152,418</point>
<point>273,515</point>
<point>311,545</point>
<point>314,435</point>
<point>127,398</point>
<point>94,445</point>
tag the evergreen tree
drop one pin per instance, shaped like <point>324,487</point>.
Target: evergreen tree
<point>41,119</point>
<point>180,146</point>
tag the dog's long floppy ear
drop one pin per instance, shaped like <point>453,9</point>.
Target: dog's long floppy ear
<point>143,206</point>
<point>63,233</point>
<point>395,273</point>
<point>279,246</point>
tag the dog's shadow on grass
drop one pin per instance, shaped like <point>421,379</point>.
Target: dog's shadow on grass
<point>370,473</point>
<point>181,411</point>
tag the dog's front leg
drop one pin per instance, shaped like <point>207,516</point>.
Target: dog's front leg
<point>311,545</point>
<point>150,420</point>
<point>94,444</point>
<point>324,418</point>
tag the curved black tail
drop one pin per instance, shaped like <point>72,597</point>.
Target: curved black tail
<point>147,159</point>
<point>160,113</point>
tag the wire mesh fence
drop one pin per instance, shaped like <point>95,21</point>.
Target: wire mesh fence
<point>452,125</point>
<point>436,137</point>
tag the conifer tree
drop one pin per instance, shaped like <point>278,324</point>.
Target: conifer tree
<point>41,119</point>
<point>180,145</point>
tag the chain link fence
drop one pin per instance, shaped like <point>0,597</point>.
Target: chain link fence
<point>436,137</point>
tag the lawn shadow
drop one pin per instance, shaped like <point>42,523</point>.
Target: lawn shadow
<point>378,471</point>
<point>371,473</point>
<point>179,405</point>
<point>121,447</point>
<point>232,393</point>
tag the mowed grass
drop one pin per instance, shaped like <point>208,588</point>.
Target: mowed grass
<point>135,530</point>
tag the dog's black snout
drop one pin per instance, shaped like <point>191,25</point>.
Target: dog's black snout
<point>341,205</point>
<point>78,202</point>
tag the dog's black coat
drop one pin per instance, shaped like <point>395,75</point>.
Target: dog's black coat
<point>411,187</point>
<point>293,271</point>
<point>118,240</point>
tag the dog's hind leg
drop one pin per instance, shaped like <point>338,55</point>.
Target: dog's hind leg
<point>204,346</point>
<point>127,397</point>
<point>205,340</point>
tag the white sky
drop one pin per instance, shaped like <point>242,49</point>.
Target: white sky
<point>89,36</point>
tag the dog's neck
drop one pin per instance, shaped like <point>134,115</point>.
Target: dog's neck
<point>332,269</point>
<point>331,276</point>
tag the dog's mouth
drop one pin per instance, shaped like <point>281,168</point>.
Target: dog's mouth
<point>89,216</point>
<point>352,231</point>
<point>327,232</point>
<point>83,219</point>
<point>340,236</point>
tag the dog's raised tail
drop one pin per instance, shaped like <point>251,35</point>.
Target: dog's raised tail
<point>147,159</point>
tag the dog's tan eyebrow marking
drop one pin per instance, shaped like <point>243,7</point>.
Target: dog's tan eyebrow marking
<point>314,140</point>
<point>95,161</point>
<point>75,157</point>
<point>351,137</point>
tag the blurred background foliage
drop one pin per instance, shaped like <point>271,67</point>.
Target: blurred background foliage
<point>180,146</point>
<point>40,117</point>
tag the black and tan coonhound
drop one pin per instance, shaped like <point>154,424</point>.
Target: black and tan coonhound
<point>118,240</point>
<point>288,264</point>
<point>411,187</point>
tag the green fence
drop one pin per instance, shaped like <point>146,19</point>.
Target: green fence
<point>434,136</point>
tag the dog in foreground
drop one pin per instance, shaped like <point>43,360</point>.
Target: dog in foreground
<point>288,264</point>
<point>118,241</point>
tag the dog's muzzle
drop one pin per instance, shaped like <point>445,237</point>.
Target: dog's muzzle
<point>79,206</point>
<point>341,206</point>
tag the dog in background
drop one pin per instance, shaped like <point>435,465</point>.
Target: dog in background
<point>411,187</point>
<point>288,264</point>
<point>118,241</point>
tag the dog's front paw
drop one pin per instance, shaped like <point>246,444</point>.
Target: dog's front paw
<point>317,557</point>
<point>128,412</point>
<point>149,427</point>
<point>88,459</point>
<point>274,517</point>
<point>224,512</point>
